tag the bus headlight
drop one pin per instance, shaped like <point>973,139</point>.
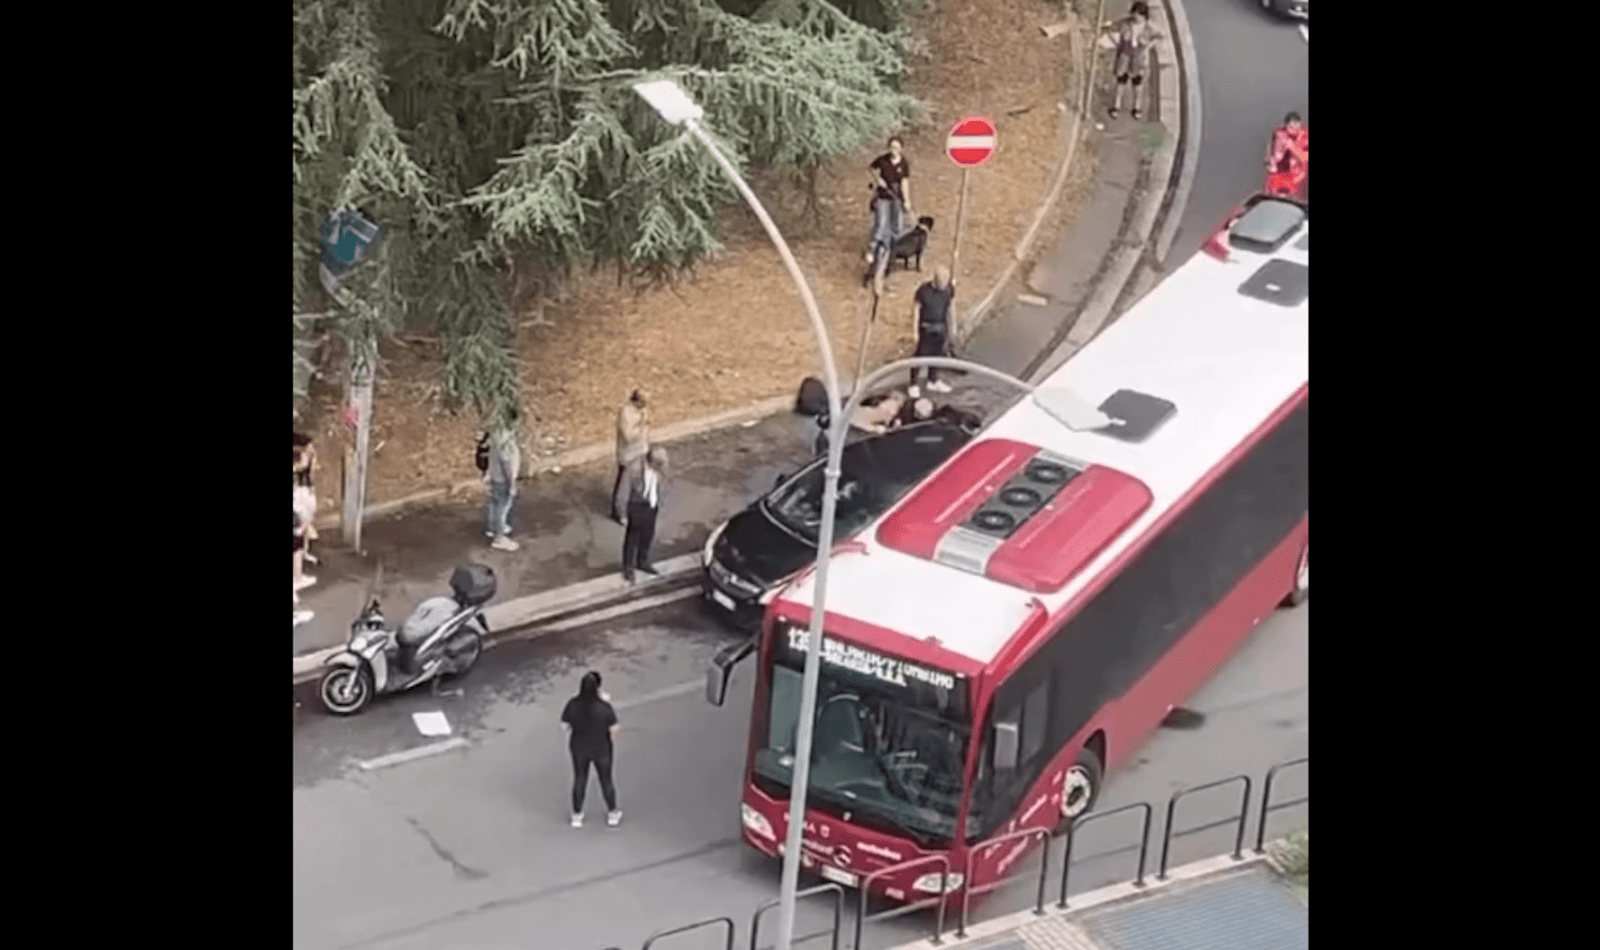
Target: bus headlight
<point>756,822</point>
<point>929,883</point>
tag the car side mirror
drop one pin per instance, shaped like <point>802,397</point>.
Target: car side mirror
<point>1006,745</point>
<point>722,665</point>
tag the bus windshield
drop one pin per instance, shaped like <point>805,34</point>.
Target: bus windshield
<point>889,741</point>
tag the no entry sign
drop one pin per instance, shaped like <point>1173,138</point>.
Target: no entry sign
<point>971,142</point>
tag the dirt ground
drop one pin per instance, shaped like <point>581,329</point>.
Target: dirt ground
<point>737,332</point>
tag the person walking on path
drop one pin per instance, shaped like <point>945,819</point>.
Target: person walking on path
<point>633,440</point>
<point>300,580</point>
<point>505,466</point>
<point>591,726</point>
<point>930,318</point>
<point>1133,38</point>
<point>642,489</point>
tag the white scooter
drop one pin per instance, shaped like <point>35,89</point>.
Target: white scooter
<point>444,636</point>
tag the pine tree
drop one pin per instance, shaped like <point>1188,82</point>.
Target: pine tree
<point>473,129</point>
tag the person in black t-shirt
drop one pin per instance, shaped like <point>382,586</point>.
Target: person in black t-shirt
<point>931,323</point>
<point>591,724</point>
<point>891,198</point>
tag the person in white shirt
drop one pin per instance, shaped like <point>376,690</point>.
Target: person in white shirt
<point>642,489</point>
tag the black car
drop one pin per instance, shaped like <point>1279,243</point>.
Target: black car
<point>752,554</point>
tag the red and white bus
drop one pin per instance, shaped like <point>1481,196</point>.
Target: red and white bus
<point>1021,621</point>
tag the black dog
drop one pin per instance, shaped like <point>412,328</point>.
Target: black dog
<point>906,247</point>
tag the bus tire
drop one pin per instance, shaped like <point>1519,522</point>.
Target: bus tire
<point>1301,591</point>
<point>1080,788</point>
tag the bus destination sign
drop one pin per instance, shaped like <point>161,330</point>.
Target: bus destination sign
<point>865,662</point>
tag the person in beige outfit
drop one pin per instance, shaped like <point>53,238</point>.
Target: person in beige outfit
<point>633,441</point>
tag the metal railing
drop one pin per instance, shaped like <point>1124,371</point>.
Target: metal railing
<point>941,862</point>
<point>1081,820</point>
<point>832,932</point>
<point>1172,807</point>
<point>988,847</point>
<point>862,916</point>
<point>1266,800</point>
<point>727,943</point>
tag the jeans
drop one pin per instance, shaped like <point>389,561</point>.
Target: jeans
<point>582,759</point>
<point>888,223</point>
<point>497,518</point>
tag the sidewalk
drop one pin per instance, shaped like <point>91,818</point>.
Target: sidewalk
<point>1217,904</point>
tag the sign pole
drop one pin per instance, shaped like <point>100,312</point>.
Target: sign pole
<point>961,215</point>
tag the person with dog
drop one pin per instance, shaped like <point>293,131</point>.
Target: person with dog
<point>930,322</point>
<point>890,207</point>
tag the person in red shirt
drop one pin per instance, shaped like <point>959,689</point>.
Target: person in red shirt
<point>1289,157</point>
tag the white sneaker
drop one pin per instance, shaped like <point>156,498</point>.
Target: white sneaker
<point>301,616</point>
<point>914,393</point>
<point>503,543</point>
<point>577,821</point>
<point>939,386</point>
<point>613,819</point>
<point>306,580</point>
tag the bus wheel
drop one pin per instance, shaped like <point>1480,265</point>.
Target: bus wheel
<point>1080,787</point>
<point>1302,580</point>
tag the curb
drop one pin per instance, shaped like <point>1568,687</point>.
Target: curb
<point>1190,127</point>
<point>511,619</point>
<point>1125,258</point>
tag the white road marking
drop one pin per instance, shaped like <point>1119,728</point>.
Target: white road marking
<point>411,755</point>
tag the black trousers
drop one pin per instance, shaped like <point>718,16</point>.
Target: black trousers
<point>582,759</point>
<point>616,492</point>
<point>637,537</point>
<point>930,343</point>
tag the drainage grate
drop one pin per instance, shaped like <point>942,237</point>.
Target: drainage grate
<point>1246,911</point>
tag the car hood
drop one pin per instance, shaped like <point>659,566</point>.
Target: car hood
<point>754,548</point>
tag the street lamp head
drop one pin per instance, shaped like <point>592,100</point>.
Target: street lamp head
<point>670,101</point>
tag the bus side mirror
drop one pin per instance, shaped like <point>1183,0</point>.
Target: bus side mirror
<point>1006,745</point>
<point>722,668</point>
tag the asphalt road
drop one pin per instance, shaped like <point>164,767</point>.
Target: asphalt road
<point>1253,69</point>
<point>470,849</point>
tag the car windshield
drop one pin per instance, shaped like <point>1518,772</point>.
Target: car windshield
<point>889,741</point>
<point>875,474</point>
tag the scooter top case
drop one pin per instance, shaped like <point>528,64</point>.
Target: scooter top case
<point>473,584</point>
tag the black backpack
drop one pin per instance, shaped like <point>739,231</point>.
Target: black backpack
<point>812,400</point>
<point>481,456</point>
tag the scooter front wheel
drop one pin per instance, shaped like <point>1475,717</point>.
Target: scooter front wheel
<point>345,690</point>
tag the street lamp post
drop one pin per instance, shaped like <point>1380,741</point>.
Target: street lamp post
<point>677,108</point>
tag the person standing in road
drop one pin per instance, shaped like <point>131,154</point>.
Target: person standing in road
<point>642,489</point>
<point>505,466</point>
<point>591,725</point>
<point>633,440</point>
<point>930,317</point>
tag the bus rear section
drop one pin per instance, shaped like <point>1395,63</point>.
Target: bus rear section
<point>889,752</point>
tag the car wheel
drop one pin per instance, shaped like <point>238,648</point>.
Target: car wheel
<point>1080,787</point>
